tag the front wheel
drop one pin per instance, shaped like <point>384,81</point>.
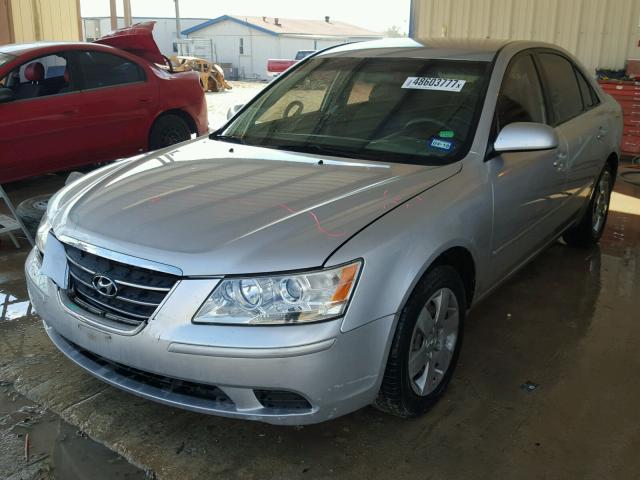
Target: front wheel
<point>168,130</point>
<point>592,224</point>
<point>425,346</point>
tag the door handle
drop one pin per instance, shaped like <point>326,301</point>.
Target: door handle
<point>601,133</point>
<point>559,161</point>
<point>144,100</point>
<point>69,112</point>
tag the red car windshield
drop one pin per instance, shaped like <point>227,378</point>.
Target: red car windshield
<point>5,58</point>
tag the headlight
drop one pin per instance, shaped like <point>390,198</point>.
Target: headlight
<point>281,299</point>
<point>43,232</point>
<point>45,222</point>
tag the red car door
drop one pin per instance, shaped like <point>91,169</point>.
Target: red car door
<point>39,127</point>
<point>118,105</point>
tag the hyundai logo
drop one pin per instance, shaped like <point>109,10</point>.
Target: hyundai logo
<point>104,286</point>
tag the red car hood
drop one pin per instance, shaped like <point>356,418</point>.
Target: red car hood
<point>136,39</point>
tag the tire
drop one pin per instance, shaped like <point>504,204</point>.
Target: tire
<point>213,85</point>
<point>407,391</point>
<point>32,210</point>
<point>589,230</point>
<point>168,130</point>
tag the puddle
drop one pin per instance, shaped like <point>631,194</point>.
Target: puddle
<point>56,449</point>
<point>13,308</point>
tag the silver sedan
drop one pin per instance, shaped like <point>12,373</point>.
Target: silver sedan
<point>319,253</point>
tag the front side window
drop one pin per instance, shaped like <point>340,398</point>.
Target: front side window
<point>41,77</point>
<point>392,109</point>
<point>520,98</point>
<point>102,69</point>
<point>562,86</point>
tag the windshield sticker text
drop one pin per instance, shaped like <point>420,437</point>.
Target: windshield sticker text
<point>440,144</point>
<point>431,83</point>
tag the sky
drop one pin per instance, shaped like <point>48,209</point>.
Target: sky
<point>377,15</point>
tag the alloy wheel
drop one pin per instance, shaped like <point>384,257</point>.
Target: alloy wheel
<point>433,342</point>
<point>601,202</point>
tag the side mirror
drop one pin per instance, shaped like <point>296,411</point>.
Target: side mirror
<point>6,94</point>
<point>72,177</point>
<point>525,136</point>
<point>233,110</point>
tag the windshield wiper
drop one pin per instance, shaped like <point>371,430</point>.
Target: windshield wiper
<point>316,150</point>
<point>227,138</point>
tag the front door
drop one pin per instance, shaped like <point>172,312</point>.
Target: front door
<point>39,128</point>
<point>527,186</point>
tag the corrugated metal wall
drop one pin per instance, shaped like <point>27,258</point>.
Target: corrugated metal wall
<point>602,33</point>
<point>45,20</point>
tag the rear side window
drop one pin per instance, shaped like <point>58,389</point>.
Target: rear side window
<point>520,98</point>
<point>562,86</point>
<point>589,97</point>
<point>101,69</point>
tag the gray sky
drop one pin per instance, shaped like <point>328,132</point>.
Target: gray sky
<point>375,15</point>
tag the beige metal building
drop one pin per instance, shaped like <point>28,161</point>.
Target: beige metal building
<point>33,20</point>
<point>602,33</point>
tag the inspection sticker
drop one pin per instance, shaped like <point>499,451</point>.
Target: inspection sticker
<point>431,83</point>
<point>440,144</point>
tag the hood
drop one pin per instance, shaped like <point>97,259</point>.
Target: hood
<point>210,208</point>
<point>136,39</point>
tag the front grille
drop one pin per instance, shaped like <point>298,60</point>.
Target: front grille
<point>139,291</point>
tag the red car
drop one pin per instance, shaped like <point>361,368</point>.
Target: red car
<point>64,105</point>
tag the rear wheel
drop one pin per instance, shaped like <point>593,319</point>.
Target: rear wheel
<point>592,224</point>
<point>425,346</point>
<point>213,85</point>
<point>168,130</point>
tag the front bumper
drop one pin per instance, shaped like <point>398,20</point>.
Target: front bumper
<point>334,372</point>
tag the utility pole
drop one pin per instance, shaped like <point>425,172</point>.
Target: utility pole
<point>114,14</point>
<point>127,13</point>
<point>178,30</point>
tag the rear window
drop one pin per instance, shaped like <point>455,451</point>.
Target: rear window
<point>562,86</point>
<point>589,97</point>
<point>105,70</point>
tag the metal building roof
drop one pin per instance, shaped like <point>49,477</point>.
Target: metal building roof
<point>292,26</point>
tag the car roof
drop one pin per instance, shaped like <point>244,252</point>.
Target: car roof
<point>446,48</point>
<point>20,48</point>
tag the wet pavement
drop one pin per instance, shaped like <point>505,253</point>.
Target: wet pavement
<point>547,387</point>
<point>37,444</point>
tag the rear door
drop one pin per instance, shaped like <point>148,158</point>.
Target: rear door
<point>118,104</point>
<point>578,123</point>
<point>527,186</point>
<point>40,127</point>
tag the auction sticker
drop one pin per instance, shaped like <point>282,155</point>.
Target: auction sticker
<point>432,83</point>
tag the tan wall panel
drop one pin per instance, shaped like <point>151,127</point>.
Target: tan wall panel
<point>602,33</point>
<point>35,20</point>
<point>6,23</point>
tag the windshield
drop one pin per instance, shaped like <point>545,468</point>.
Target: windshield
<point>5,58</point>
<point>392,109</point>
